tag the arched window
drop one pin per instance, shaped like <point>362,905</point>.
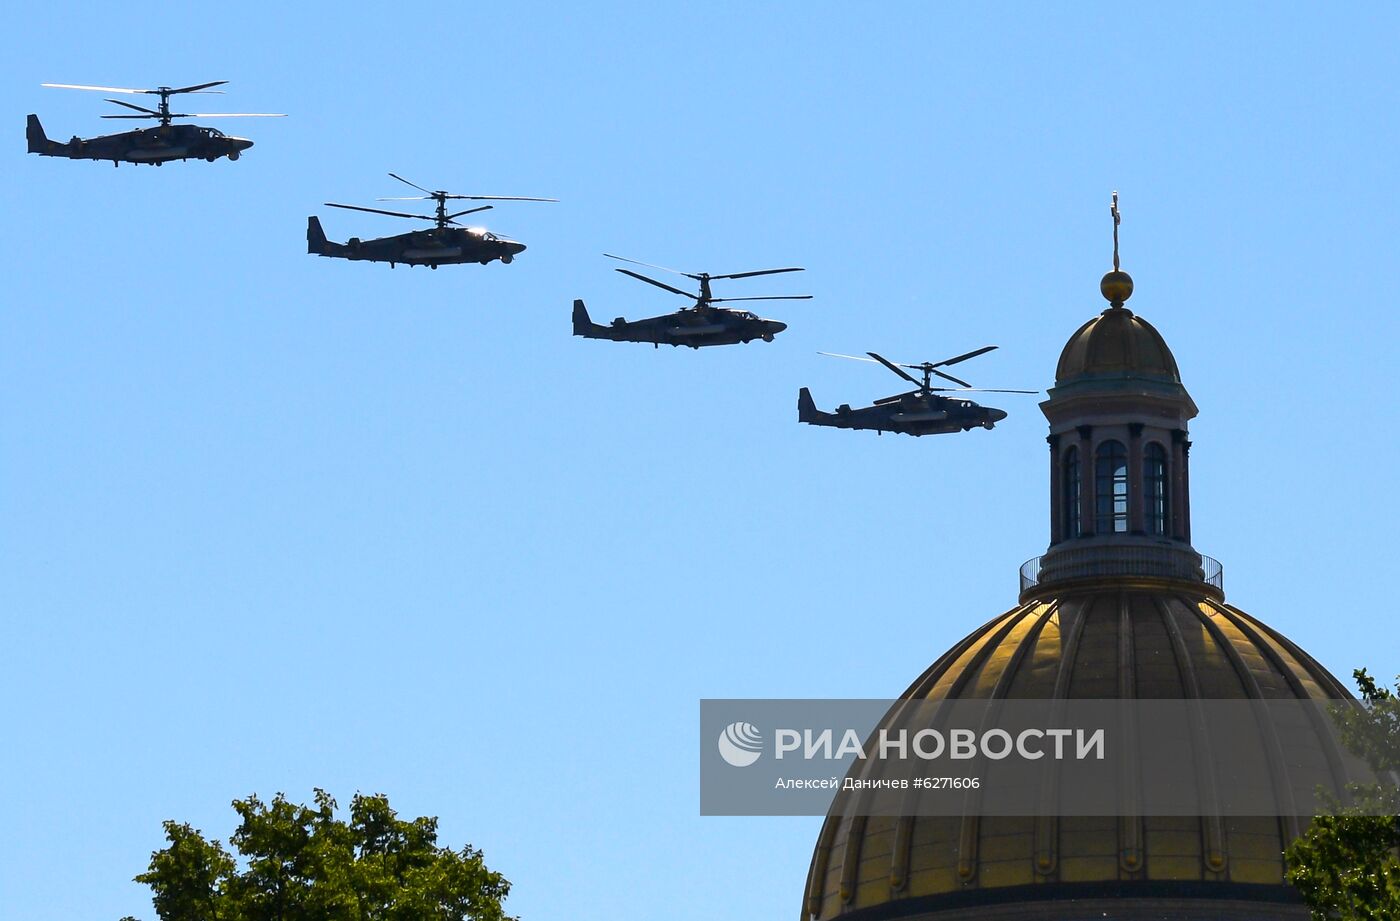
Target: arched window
<point>1154,488</point>
<point>1111,488</point>
<point>1070,492</point>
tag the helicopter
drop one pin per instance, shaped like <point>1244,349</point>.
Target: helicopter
<point>156,145</point>
<point>445,244</point>
<point>924,411</point>
<point>698,325</point>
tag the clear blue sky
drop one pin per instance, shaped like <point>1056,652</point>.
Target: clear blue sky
<point>273,522</point>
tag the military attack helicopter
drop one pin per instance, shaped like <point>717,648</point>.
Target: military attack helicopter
<point>697,325</point>
<point>156,145</point>
<point>442,245</point>
<point>924,411</point>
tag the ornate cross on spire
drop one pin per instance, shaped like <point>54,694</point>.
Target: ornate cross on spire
<point>1117,219</point>
<point>1116,286</point>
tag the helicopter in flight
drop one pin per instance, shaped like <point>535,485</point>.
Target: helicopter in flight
<point>156,145</point>
<point>445,244</point>
<point>924,411</point>
<point>698,325</point>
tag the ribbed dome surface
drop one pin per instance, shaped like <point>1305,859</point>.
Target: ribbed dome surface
<point>1111,642</point>
<point>1117,342</point>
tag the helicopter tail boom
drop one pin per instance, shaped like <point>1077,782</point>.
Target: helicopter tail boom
<point>583,323</point>
<point>316,241</point>
<point>39,142</point>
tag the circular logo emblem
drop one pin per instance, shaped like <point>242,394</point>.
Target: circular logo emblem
<point>740,744</point>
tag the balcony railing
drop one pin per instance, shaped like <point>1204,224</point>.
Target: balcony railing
<point>1107,560</point>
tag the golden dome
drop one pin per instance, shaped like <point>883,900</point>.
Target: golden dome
<point>1132,639</point>
<point>1116,343</point>
<point>1120,607</point>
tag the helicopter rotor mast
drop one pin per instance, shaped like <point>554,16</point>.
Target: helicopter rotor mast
<point>162,112</point>
<point>928,369</point>
<point>705,297</point>
<point>441,198</point>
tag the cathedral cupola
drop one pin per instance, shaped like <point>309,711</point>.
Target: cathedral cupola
<point>1120,501</point>
<point>1119,608</point>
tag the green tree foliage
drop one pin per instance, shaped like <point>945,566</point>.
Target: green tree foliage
<point>1347,865</point>
<point>301,863</point>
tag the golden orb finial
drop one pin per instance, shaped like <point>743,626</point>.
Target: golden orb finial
<point>1116,286</point>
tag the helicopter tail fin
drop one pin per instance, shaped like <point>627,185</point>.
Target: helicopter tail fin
<point>806,408</point>
<point>316,237</point>
<point>583,323</point>
<point>39,142</point>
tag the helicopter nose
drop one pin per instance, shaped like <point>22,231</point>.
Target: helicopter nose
<point>241,143</point>
<point>997,414</point>
<point>776,326</point>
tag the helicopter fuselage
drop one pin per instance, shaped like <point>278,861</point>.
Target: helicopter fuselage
<point>911,414</point>
<point>154,146</point>
<point>432,247</point>
<point>693,327</point>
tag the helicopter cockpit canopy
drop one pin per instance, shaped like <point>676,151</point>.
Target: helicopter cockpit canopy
<point>195,131</point>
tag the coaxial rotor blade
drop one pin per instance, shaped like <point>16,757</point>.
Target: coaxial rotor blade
<point>759,272</point>
<point>895,368</point>
<point>416,217</point>
<point>497,198</point>
<point>197,88</point>
<point>653,281</point>
<point>100,89</point>
<point>977,390</point>
<point>414,184</point>
<point>973,354</point>
<point>851,357</point>
<point>129,116</point>
<point>949,377</point>
<point>232,115</point>
<point>192,89</point>
<point>470,211</point>
<point>648,265</point>
<point>131,105</point>
<point>408,198</point>
<point>772,297</point>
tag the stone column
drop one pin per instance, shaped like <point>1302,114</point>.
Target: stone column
<point>1176,477</point>
<point>1087,478</point>
<point>1057,501</point>
<point>1136,524</point>
<point>1186,490</point>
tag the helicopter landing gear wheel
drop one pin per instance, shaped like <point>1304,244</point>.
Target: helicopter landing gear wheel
<point>989,425</point>
<point>767,337</point>
<point>233,155</point>
<point>507,259</point>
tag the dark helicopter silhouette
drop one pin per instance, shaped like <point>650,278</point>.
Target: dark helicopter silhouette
<point>446,244</point>
<point>698,325</point>
<point>924,411</point>
<point>156,145</point>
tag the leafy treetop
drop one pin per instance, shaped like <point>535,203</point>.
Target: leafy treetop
<point>1347,865</point>
<point>301,863</point>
